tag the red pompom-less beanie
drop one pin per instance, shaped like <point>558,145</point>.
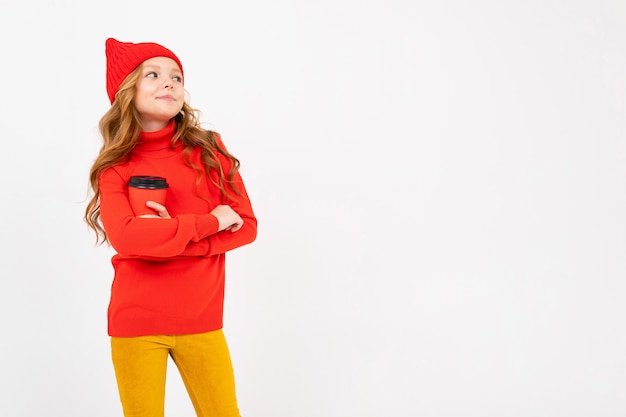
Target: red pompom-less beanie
<point>124,57</point>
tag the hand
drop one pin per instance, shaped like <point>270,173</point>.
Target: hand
<point>160,209</point>
<point>228,218</point>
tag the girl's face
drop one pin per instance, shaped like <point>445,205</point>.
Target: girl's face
<point>159,93</point>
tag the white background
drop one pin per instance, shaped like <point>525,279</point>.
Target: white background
<point>440,189</point>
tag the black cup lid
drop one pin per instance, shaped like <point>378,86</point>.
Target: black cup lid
<point>147,181</point>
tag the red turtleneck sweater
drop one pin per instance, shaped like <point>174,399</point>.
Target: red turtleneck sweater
<point>169,273</point>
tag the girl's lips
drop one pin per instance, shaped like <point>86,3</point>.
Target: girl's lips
<point>168,98</point>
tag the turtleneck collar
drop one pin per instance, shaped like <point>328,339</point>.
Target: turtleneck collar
<point>157,140</point>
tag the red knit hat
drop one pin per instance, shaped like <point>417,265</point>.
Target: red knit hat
<point>124,57</point>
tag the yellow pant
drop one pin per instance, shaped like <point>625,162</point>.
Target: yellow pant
<point>203,361</point>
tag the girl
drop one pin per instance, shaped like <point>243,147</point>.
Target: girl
<point>168,289</point>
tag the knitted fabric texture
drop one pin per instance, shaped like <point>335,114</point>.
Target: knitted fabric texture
<point>124,57</point>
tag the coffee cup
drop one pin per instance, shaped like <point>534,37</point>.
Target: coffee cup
<point>143,188</point>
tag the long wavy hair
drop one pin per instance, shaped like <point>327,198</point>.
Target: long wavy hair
<point>120,128</point>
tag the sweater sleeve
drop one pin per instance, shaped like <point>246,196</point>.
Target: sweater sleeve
<point>149,238</point>
<point>226,240</point>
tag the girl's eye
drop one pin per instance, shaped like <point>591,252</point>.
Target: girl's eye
<point>178,78</point>
<point>151,74</point>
